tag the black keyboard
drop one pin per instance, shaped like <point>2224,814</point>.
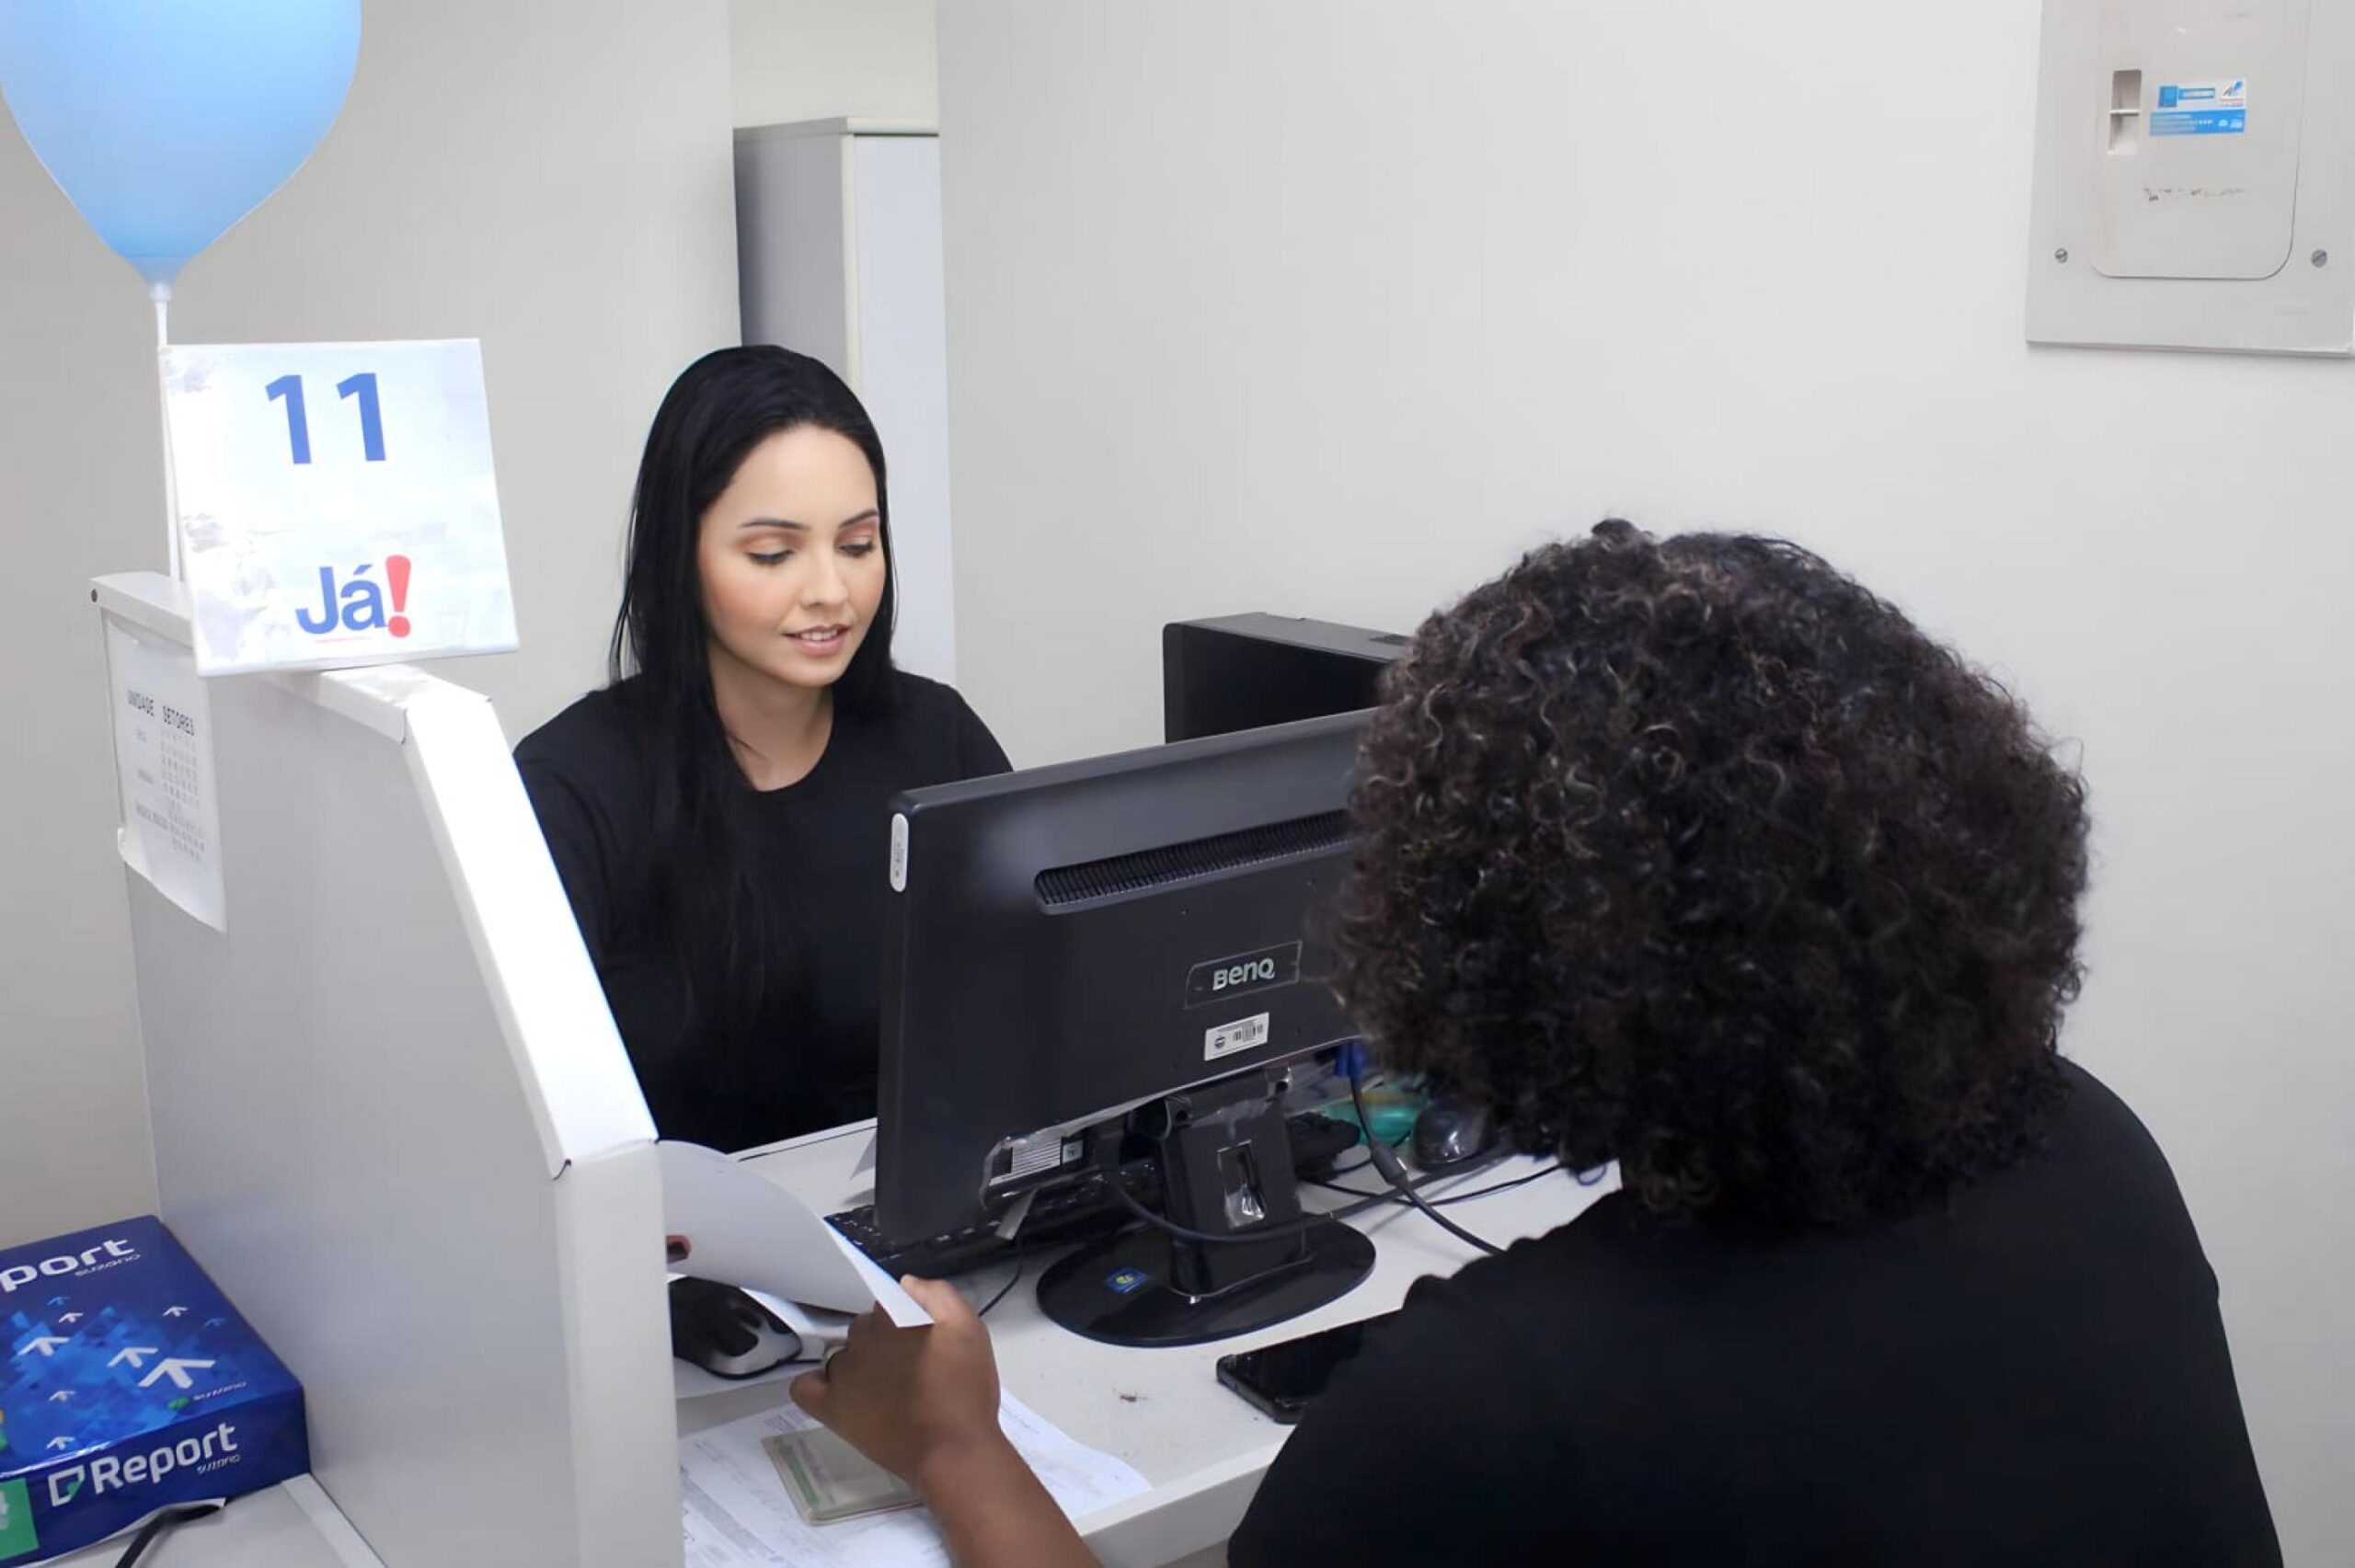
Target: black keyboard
<point>1063,1214</point>
<point>1068,1212</point>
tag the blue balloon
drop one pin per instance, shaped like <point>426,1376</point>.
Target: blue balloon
<point>165,121</point>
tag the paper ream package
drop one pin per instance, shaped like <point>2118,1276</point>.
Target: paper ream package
<point>131,1385</point>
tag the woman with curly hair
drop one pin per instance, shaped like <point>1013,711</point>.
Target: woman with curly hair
<point>1692,855</point>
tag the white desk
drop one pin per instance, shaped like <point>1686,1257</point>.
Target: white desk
<point>292,1526</point>
<point>1163,1410</point>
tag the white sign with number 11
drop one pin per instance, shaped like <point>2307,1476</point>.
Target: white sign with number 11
<point>336,503</point>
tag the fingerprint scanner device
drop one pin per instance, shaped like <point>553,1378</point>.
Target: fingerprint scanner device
<point>131,1385</point>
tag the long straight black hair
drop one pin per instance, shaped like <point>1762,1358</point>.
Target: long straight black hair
<point>720,408</point>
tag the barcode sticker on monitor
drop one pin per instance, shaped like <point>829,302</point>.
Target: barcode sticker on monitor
<point>1239,1035</point>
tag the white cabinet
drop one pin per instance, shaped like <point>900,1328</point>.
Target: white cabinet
<point>838,256</point>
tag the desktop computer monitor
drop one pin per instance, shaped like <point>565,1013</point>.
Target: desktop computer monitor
<point>1123,953</point>
<point>1244,672</point>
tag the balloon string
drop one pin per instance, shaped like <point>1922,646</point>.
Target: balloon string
<point>162,293</point>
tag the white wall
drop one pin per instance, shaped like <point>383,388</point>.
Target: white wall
<point>552,177</point>
<point>826,59</point>
<point>1329,308</point>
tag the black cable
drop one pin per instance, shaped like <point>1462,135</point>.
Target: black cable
<point>1353,1191</point>
<point>161,1522</point>
<point>1453,1198</point>
<point>1385,1160</point>
<point>1428,1178</point>
<point>1539,1174</point>
<point>1326,1179</point>
<point>1110,1162</point>
<point>1020,1260</point>
<point>1590,1178</point>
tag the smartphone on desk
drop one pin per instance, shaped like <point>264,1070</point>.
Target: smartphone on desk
<point>1283,1379</point>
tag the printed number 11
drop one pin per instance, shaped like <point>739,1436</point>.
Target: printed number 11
<point>298,423</point>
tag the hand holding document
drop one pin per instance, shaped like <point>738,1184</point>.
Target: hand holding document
<point>742,1229</point>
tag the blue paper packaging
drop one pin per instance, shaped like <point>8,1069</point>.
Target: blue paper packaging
<point>131,1385</point>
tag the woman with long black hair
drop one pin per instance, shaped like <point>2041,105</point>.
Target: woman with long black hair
<point>716,811</point>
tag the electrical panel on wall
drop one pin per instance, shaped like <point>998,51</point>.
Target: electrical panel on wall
<point>2195,176</point>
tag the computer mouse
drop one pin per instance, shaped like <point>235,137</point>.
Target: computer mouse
<point>725,1332</point>
<point>1451,1131</point>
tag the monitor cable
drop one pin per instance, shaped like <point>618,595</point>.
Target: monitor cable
<point>1454,1197</point>
<point>164,1520</point>
<point>1108,1160</point>
<point>1386,1160</point>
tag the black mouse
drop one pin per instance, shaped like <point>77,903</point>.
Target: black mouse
<point>725,1332</point>
<point>1451,1131</point>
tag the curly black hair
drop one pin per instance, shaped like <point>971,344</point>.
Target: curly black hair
<point>1693,854</point>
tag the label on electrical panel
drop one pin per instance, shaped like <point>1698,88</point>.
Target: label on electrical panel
<point>2201,109</point>
<point>1240,1036</point>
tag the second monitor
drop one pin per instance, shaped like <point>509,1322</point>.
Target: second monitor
<point>1244,672</point>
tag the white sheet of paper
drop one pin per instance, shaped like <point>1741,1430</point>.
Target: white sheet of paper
<point>170,831</point>
<point>816,1328</point>
<point>736,1513</point>
<point>743,1229</point>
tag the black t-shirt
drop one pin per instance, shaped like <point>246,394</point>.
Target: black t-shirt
<point>816,865</point>
<point>2033,1373</point>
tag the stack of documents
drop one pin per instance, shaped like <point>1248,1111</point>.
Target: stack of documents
<point>738,1513</point>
